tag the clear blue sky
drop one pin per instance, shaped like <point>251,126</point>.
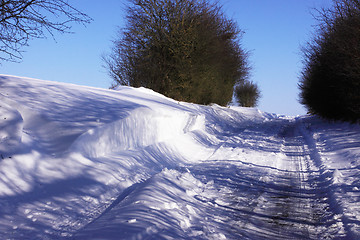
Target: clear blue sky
<point>274,32</point>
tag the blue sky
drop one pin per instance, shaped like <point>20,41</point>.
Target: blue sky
<point>274,32</point>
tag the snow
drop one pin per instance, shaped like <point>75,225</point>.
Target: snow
<point>86,163</point>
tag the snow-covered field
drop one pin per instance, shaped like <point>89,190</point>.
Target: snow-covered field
<point>85,163</point>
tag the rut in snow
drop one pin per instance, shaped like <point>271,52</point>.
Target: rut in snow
<point>285,201</point>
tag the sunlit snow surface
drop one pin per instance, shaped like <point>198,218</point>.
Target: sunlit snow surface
<point>85,163</point>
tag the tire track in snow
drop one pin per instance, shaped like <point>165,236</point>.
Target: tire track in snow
<point>262,202</point>
<point>299,198</point>
<point>283,202</point>
<point>309,197</point>
<point>334,222</point>
<point>283,209</point>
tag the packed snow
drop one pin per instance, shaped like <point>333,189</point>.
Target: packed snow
<point>85,163</point>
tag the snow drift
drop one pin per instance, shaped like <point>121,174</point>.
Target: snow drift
<point>87,163</point>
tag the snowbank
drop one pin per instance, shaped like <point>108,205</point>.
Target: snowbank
<point>88,163</point>
<point>143,127</point>
<point>11,126</point>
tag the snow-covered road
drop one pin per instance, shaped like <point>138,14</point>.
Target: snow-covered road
<point>86,163</point>
<point>223,197</point>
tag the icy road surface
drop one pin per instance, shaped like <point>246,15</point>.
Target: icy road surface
<point>87,163</point>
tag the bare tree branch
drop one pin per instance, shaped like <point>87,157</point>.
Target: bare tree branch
<point>23,20</point>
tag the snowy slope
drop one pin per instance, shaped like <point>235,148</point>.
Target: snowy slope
<point>86,163</point>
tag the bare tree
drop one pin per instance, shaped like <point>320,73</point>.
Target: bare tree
<point>22,20</point>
